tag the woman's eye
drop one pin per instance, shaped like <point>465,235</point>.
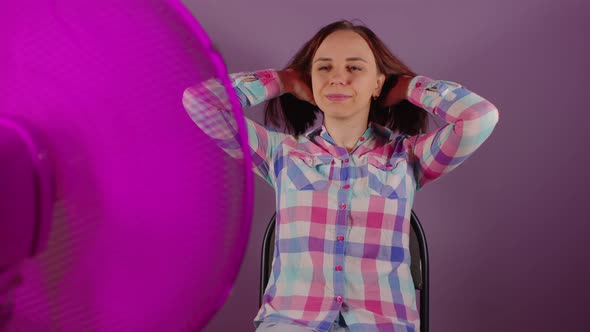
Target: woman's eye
<point>350,68</point>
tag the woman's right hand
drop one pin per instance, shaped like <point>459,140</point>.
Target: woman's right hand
<point>293,83</point>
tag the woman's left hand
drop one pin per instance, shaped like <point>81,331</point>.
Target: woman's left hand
<point>398,92</point>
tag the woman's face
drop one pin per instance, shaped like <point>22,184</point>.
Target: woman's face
<point>344,76</point>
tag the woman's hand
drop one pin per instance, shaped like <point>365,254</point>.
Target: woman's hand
<point>398,92</point>
<point>293,83</point>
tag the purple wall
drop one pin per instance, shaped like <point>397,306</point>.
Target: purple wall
<point>506,229</point>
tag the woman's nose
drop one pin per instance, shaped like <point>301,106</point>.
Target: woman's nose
<point>337,78</point>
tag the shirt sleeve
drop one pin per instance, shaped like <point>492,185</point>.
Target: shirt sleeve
<point>470,121</point>
<point>208,106</point>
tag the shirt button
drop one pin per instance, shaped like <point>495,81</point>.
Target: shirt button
<point>343,206</point>
<point>346,186</point>
<point>340,238</point>
<point>418,84</point>
<point>346,161</point>
<point>339,298</point>
<point>362,139</point>
<point>338,268</point>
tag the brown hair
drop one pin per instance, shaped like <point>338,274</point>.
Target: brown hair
<point>297,115</point>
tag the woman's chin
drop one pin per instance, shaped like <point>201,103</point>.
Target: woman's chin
<point>339,116</point>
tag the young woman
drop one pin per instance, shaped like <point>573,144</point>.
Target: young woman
<point>344,189</point>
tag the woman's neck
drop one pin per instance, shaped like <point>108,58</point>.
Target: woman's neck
<point>346,132</point>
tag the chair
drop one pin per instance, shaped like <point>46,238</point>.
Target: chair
<point>418,266</point>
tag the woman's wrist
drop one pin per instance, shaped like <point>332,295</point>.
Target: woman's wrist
<point>404,82</point>
<point>284,80</point>
<point>397,88</point>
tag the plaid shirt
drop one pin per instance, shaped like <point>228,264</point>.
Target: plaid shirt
<point>343,218</point>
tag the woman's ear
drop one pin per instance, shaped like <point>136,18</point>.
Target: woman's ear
<point>380,80</point>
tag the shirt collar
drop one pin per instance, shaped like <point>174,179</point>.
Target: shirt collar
<point>374,129</point>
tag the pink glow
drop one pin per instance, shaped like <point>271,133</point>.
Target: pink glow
<point>150,218</point>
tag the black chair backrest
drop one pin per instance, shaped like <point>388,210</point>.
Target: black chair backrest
<point>418,265</point>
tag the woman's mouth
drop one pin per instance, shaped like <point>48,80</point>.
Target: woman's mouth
<point>337,97</point>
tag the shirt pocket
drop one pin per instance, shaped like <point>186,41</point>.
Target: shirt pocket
<point>307,171</point>
<point>387,176</point>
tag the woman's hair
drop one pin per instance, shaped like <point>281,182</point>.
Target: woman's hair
<point>297,115</point>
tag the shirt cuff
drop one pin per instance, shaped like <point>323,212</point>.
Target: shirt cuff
<point>427,93</point>
<point>258,86</point>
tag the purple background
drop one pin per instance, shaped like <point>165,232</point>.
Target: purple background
<point>507,229</point>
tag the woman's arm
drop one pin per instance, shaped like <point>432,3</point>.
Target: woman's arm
<point>208,106</point>
<point>470,119</point>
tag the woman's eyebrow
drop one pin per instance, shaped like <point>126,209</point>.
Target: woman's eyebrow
<point>347,59</point>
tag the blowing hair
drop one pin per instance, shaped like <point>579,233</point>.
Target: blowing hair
<point>297,116</point>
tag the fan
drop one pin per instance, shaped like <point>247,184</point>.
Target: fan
<point>117,213</point>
